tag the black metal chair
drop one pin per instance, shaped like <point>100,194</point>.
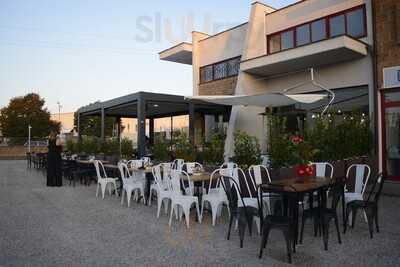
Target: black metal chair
<point>322,216</point>
<point>279,219</point>
<point>370,206</point>
<point>244,214</point>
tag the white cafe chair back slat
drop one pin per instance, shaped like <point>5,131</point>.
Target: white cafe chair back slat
<point>362,174</point>
<point>256,175</point>
<point>323,169</point>
<point>103,180</point>
<point>177,164</point>
<point>191,167</point>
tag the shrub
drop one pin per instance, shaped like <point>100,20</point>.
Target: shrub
<point>89,145</point>
<point>111,147</point>
<point>330,138</point>
<point>214,150</point>
<point>126,148</point>
<point>183,148</point>
<point>71,146</point>
<point>160,149</point>
<point>247,150</point>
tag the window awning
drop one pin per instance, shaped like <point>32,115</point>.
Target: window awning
<point>261,100</point>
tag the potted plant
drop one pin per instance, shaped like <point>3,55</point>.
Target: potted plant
<point>303,153</point>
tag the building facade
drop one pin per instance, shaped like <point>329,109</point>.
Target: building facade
<point>275,50</point>
<point>387,72</point>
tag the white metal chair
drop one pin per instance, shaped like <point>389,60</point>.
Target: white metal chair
<point>164,171</point>
<point>362,173</point>
<point>323,169</point>
<point>146,160</point>
<point>255,172</point>
<point>177,164</point>
<point>216,196</point>
<point>130,183</point>
<point>179,200</point>
<point>162,187</point>
<point>103,180</point>
<point>191,167</point>
<point>135,163</point>
<point>251,200</point>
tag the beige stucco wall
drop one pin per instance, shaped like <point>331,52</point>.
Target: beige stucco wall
<point>224,45</point>
<point>256,36</point>
<point>196,37</point>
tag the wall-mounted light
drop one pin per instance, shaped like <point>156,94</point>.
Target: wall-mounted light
<point>155,105</point>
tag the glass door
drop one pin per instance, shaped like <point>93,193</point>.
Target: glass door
<point>391,108</point>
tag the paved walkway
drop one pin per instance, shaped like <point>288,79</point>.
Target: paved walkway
<point>68,226</point>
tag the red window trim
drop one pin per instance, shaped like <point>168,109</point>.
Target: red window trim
<point>384,106</point>
<point>328,34</point>
<point>213,70</point>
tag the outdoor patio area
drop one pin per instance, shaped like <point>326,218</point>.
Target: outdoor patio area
<point>69,226</point>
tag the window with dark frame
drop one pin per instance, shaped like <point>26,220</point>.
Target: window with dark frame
<point>303,35</point>
<point>318,30</point>
<point>287,40</point>
<point>350,22</point>
<point>233,66</point>
<point>220,70</point>
<point>337,25</point>
<point>206,74</point>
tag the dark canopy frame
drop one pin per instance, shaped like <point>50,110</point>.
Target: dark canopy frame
<point>144,105</point>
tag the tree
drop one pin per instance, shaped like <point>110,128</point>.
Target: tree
<point>91,125</point>
<point>24,111</point>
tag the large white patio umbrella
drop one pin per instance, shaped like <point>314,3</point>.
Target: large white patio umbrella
<point>261,100</point>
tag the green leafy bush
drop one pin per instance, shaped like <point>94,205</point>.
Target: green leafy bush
<point>111,147</point>
<point>89,145</point>
<point>160,149</point>
<point>332,137</point>
<point>183,148</point>
<point>126,148</point>
<point>214,149</point>
<point>247,150</point>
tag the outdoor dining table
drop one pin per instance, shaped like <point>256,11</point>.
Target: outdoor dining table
<point>297,188</point>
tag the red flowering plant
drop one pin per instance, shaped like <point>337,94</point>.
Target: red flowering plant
<point>303,153</point>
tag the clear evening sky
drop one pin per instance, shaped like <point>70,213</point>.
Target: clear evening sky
<point>80,51</point>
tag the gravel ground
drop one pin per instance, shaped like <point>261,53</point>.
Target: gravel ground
<point>69,226</point>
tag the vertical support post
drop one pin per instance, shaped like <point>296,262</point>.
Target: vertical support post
<point>118,122</point>
<point>29,138</point>
<point>172,130</point>
<point>191,122</point>
<point>103,121</point>
<point>151,131</point>
<point>141,120</point>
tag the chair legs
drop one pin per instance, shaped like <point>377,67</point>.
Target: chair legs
<point>288,236</point>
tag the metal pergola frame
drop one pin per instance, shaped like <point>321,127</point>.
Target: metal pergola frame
<point>145,105</point>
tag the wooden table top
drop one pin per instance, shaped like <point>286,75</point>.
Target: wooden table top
<point>303,184</point>
<point>200,176</point>
<point>113,166</point>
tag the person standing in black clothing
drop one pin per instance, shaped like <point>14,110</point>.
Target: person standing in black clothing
<point>54,177</point>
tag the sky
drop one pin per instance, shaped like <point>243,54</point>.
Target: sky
<point>76,52</point>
